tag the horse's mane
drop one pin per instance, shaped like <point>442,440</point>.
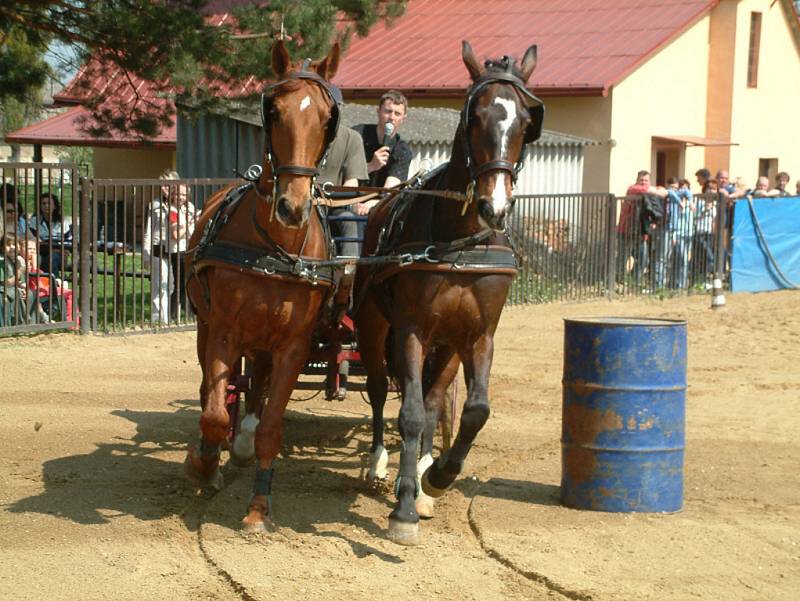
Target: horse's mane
<point>504,64</point>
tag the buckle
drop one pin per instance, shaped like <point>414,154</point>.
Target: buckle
<point>405,259</point>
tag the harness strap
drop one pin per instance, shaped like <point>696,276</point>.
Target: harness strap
<point>264,263</point>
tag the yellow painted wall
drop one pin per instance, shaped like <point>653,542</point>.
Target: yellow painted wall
<point>665,96</point>
<point>765,119</point>
<point>139,163</point>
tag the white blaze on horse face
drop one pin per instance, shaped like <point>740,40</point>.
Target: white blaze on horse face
<point>305,103</point>
<point>499,196</point>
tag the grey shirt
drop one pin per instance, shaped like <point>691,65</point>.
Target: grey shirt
<point>345,158</point>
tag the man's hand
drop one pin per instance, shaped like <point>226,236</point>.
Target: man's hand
<point>363,208</point>
<point>379,159</point>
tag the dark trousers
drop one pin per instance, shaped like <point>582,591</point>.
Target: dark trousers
<point>178,297</point>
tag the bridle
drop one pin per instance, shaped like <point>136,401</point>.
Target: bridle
<point>267,99</point>
<point>532,133</point>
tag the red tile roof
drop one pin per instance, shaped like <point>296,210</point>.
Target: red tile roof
<point>64,129</point>
<point>584,46</point>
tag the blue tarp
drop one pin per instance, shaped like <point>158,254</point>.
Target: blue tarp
<point>752,269</point>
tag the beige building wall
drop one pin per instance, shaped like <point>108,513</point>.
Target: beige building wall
<point>588,117</point>
<point>131,163</point>
<point>665,96</point>
<point>766,119</point>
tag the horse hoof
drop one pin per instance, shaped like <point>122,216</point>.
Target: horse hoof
<point>241,461</point>
<point>379,462</point>
<point>404,533</point>
<point>258,524</point>
<point>203,475</point>
<point>257,519</point>
<point>428,488</point>
<point>424,505</point>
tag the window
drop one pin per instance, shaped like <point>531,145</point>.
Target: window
<point>755,46</point>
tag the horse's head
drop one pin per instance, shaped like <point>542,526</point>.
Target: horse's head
<point>500,116</point>
<point>300,114</point>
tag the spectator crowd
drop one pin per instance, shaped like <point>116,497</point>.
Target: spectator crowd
<point>666,234</point>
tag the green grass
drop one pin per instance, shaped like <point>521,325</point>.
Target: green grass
<point>132,310</point>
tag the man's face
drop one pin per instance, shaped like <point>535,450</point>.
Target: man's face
<point>762,183</point>
<point>643,180</point>
<point>723,178</point>
<point>780,182</point>
<point>389,112</point>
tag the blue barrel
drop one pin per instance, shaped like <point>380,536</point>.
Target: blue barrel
<point>623,414</point>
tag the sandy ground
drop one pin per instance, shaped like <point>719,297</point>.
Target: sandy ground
<point>93,505</point>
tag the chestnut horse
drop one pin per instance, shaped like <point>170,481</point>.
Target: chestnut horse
<point>252,279</point>
<point>445,306</point>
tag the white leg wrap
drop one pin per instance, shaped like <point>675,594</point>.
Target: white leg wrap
<point>244,446</point>
<point>424,504</point>
<point>378,464</point>
<point>424,463</point>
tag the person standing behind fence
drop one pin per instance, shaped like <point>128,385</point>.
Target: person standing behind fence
<point>46,224</point>
<point>643,204</point>
<point>703,178</point>
<point>168,226</point>
<point>14,220</point>
<point>680,228</point>
<point>703,248</point>
<point>19,303</point>
<point>724,182</point>
<point>781,182</point>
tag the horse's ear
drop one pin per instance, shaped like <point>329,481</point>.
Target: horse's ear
<point>528,63</point>
<point>280,59</point>
<point>470,61</point>
<point>328,66</point>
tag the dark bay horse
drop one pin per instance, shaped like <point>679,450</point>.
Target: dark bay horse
<point>446,306</point>
<point>252,280</point>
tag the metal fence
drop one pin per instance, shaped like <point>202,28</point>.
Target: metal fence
<point>578,246</point>
<point>111,259</point>
<point>108,259</point>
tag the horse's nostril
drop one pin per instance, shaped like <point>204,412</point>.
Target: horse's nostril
<point>486,210</point>
<point>284,209</point>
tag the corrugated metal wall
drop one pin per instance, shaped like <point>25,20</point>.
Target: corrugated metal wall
<point>207,148</point>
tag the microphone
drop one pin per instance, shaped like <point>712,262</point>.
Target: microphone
<point>388,138</point>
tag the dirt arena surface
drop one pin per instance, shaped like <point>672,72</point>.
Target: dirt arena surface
<point>93,504</point>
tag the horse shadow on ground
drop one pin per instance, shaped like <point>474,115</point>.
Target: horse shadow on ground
<point>520,491</point>
<point>142,476</point>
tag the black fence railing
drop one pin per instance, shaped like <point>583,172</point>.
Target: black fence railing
<point>577,246</point>
<point>111,259</point>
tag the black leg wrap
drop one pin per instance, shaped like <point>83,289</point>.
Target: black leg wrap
<point>207,450</point>
<point>263,483</point>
